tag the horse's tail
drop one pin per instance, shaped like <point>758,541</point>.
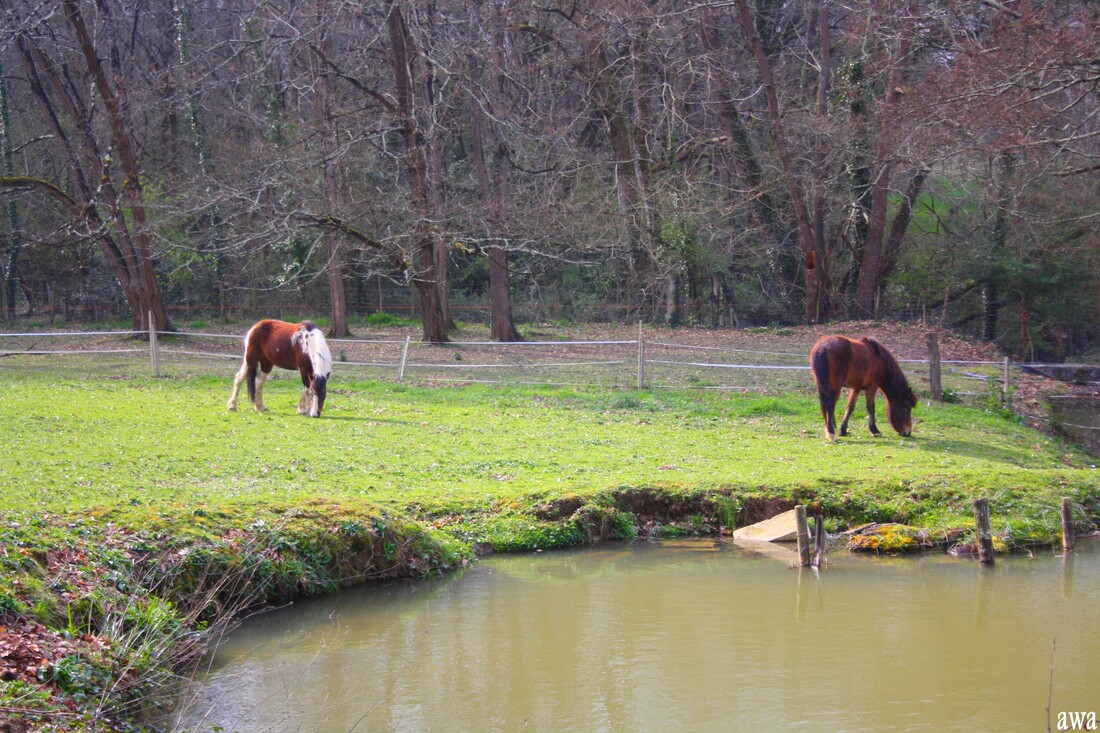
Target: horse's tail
<point>314,344</point>
<point>819,364</point>
<point>251,377</point>
<point>252,381</point>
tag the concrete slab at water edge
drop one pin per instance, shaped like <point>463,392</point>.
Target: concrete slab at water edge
<point>780,528</point>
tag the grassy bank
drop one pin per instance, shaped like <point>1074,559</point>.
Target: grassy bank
<point>138,513</point>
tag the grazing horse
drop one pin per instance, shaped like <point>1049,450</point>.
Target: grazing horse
<point>863,364</point>
<point>299,346</point>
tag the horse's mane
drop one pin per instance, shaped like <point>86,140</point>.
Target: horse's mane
<point>894,384</point>
<point>313,341</point>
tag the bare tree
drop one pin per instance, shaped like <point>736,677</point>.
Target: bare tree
<point>102,155</point>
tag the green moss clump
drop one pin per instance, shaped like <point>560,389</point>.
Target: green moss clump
<point>889,537</point>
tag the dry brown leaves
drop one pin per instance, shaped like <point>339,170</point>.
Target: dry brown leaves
<point>28,649</point>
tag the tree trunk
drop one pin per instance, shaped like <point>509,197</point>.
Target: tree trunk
<point>901,222</point>
<point>744,171</point>
<point>639,228</point>
<point>493,198</point>
<point>11,270</point>
<point>426,241</point>
<point>323,107</point>
<point>794,186</point>
<point>867,282</point>
<point>438,207</point>
<point>870,266</point>
<point>819,308</point>
<point>991,294</point>
<point>423,41</point>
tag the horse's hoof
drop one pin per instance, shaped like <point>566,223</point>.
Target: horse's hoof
<point>231,408</point>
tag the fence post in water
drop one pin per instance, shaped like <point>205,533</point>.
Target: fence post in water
<point>641,358</point>
<point>802,533</point>
<point>934,384</point>
<point>1067,524</point>
<point>154,348</point>
<point>404,358</point>
<point>983,531</point>
<point>819,540</point>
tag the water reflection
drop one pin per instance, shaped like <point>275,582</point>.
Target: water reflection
<point>686,636</point>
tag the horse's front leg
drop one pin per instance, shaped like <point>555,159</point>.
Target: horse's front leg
<point>258,403</point>
<point>306,403</point>
<point>853,393</point>
<point>871,412</point>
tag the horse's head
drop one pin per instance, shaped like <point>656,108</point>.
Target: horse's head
<point>319,386</point>
<point>899,411</point>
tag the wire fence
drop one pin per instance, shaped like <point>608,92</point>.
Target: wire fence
<point>622,364</point>
<point>607,364</point>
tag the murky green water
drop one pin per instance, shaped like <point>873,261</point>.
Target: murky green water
<point>690,636</point>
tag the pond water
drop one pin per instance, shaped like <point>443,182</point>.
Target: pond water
<point>692,635</point>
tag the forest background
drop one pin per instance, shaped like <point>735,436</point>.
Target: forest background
<point>725,163</point>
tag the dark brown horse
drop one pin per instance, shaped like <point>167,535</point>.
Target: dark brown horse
<point>863,364</point>
<point>296,346</point>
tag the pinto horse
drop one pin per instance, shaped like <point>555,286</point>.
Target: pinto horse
<point>299,346</point>
<point>863,364</point>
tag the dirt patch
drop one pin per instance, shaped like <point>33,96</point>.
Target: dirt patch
<point>654,504</point>
<point>755,510</point>
<point>557,509</point>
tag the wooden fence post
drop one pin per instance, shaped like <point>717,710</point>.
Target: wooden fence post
<point>404,359</point>
<point>802,534</point>
<point>1067,524</point>
<point>934,384</point>
<point>983,531</point>
<point>1006,395</point>
<point>154,347</point>
<point>819,540</point>
<point>641,358</point>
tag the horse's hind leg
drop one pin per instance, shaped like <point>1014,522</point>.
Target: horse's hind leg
<point>828,410</point>
<point>237,382</point>
<point>853,393</point>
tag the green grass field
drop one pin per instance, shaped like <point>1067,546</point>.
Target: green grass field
<point>76,444</point>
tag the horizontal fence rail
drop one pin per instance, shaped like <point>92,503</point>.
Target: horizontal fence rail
<point>622,363</point>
